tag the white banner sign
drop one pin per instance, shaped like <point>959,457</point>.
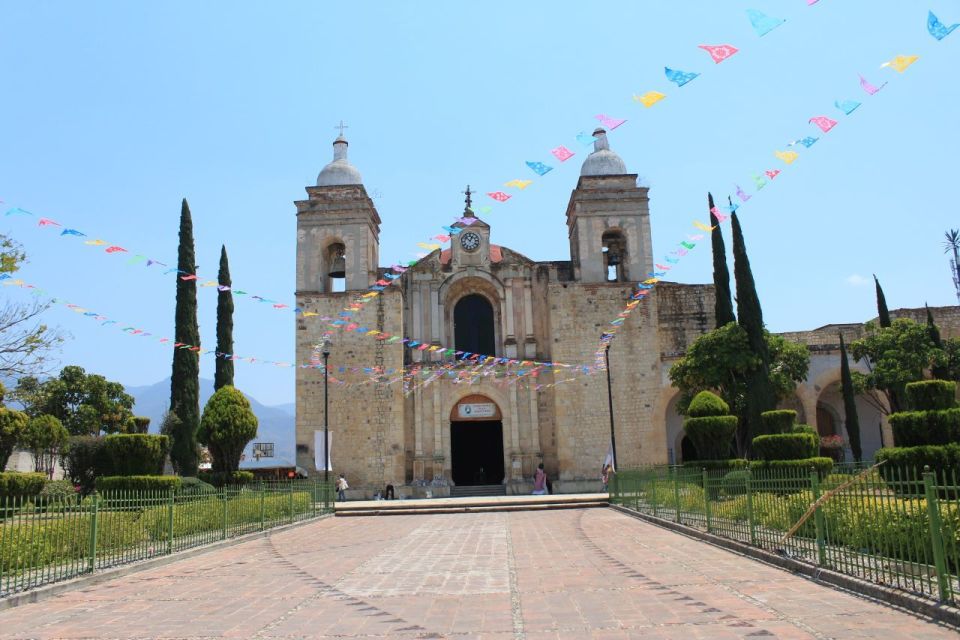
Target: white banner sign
<point>319,450</point>
<point>477,410</point>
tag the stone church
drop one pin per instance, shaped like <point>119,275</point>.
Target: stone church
<point>481,297</point>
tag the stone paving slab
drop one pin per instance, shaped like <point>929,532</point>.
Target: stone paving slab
<point>591,573</point>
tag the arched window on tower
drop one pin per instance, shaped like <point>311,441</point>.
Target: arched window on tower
<point>336,268</point>
<point>473,329</point>
<point>614,253</point>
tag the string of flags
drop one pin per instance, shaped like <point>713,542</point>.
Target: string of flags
<point>824,123</point>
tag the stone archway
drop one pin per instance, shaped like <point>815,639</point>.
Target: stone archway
<point>477,449</point>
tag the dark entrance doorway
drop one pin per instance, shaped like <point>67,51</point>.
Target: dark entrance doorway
<point>476,451</point>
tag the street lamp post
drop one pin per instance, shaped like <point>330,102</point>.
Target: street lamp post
<point>613,434</point>
<point>326,406</point>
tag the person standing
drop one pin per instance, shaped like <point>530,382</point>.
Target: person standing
<point>342,487</point>
<point>605,477</point>
<point>540,481</point>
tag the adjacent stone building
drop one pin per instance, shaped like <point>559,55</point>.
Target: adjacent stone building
<point>452,426</point>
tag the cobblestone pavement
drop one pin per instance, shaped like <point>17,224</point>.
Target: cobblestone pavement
<point>590,573</point>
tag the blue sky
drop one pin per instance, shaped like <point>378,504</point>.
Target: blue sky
<point>112,112</point>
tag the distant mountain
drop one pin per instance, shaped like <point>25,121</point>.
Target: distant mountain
<point>276,423</point>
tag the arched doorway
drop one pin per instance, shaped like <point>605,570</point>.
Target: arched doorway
<point>476,442</point>
<point>473,326</point>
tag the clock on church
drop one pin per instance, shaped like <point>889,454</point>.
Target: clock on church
<point>470,241</point>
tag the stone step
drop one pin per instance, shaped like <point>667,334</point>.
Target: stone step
<point>483,490</point>
<point>472,505</point>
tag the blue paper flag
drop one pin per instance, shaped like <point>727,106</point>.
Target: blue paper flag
<point>807,141</point>
<point>71,232</point>
<point>763,24</point>
<point>847,106</point>
<point>18,210</point>
<point>937,29</point>
<point>539,168</point>
<point>679,77</point>
<point>585,138</point>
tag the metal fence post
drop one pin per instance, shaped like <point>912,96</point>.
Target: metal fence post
<point>676,492</point>
<point>936,534</point>
<point>170,523</point>
<point>291,502</point>
<point>750,519</point>
<point>263,494</point>
<point>818,520</point>
<point>92,564</point>
<point>706,499</point>
<point>223,496</point>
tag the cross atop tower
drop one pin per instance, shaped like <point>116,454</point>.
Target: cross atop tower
<point>341,126</point>
<point>468,212</point>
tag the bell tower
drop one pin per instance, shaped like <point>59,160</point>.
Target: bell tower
<point>608,220</point>
<point>338,230</point>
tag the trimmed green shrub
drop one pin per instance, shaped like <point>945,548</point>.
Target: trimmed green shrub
<point>195,486</point>
<point>14,484</point>
<point>823,466</point>
<point>778,421</point>
<point>706,404</point>
<point>915,428</point>
<point>86,458</point>
<point>58,491</point>
<point>711,465</point>
<point>786,446</point>
<point>711,435</point>
<point>932,395</point>
<point>138,483</point>
<point>735,482</point>
<point>904,462</point>
<point>137,454</point>
<point>229,478</point>
<point>227,425</point>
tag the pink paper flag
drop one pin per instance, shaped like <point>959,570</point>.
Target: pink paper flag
<point>115,249</point>
<point>561,153</point>
<point>823,122</point>
<point>608,122</point>
<point>47,222</point>
<point>869,88</point>
<point>772,173</point>
<point>188,277</point>
<point>499,196</point>
<point>719,52</point>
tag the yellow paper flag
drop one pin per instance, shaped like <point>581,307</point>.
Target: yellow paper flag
<point>900,63</point>
<point>787,156</point>
<point>519,184</point>
<point>650,98</point>
<point>95,243</point>
<point>425,245</point>
<point>702,227</point>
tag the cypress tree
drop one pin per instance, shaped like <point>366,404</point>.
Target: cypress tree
<point>723,304</point>
<point>185,379</point>
<point>849,403</point>
<point>224,373</point>
<point>940,372</point>
<point>882,312</point>
<point>761,395</point>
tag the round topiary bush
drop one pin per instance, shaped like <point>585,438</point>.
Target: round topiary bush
<point>932,395</point>
<point>786,446</point>
<point>711,435</point>
<point>778,421</point>
<point>706,404</point>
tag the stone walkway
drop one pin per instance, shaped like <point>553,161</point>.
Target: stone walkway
<point>591,573</point>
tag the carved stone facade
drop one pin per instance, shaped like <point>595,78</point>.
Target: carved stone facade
<point>480,297</point>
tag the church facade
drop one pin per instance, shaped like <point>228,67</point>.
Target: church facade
<point>474,423</point>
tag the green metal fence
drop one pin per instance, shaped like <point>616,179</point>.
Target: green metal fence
<point>896,527</point>
<point>44,541</point>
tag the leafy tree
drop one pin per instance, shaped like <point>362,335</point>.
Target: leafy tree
<point>87,404</point>
<point>137,424</point>
<point>26,344</point>
<point>899,354</point>
<point>723,304</point>
<point>185,379</point>
<point>761,394</point>
<point>85,459</point>
<point>224,372</point>
<point>722,361</point>
<point>851,419</point>
<point>228,424</point>
<point>941,371</point>
<point>44,436</point>
<point>12,425</point>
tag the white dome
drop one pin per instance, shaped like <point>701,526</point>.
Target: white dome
<point>340,171</point>
<point>603,161</point>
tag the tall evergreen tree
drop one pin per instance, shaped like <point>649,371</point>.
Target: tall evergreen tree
<point>761,395</point>
<point>224,373</point>
<point>940,372</point>
<point>882,313</point>
<point>723,305</point>
<point>185,379</point>
<point>851,419</point>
